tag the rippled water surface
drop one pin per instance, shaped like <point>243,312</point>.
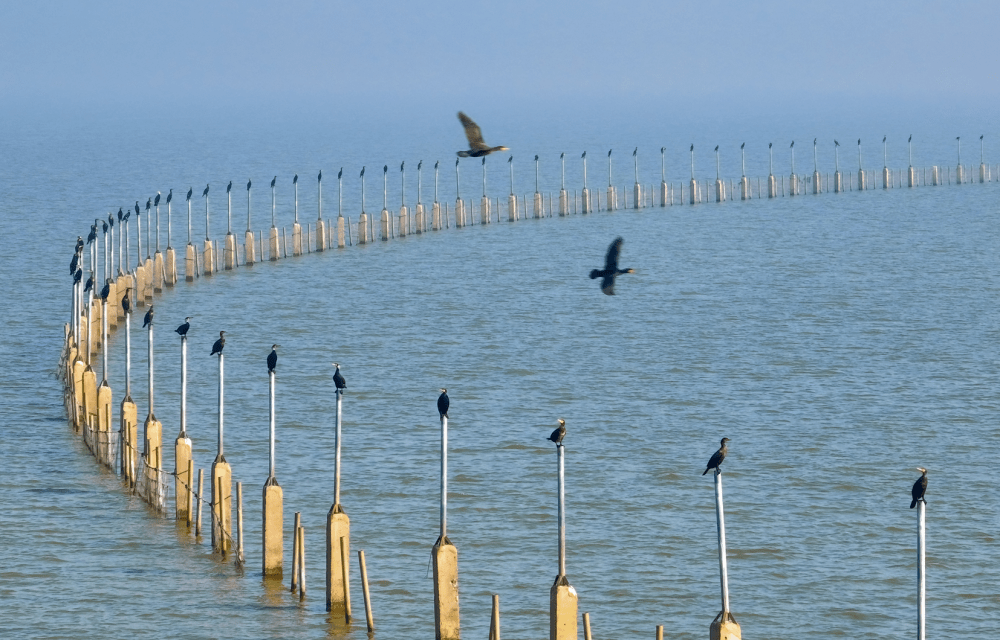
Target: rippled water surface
<point>838,340</point>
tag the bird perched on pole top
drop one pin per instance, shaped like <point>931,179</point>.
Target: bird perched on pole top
<point>78,276</point>
<point>190,192</point>
<point>229,187</point>
<point>477,147</point>
<point>148,320</point>
<point>183,329</point>
<point>443,403</point>
<point>170,196</point>
<point>219,344</point>
<point>274,181</point>
<point>249,184</point>
<point>919,488</point>
<point>560,433</point>
<point>338,378</point>
<point>715,461</point>
<point>106,290</point>
<point>89,285</point>
<point>126,302</point>
<point>272,358</point>
<point>295,180</point>
<point>204,194</point>
<point>156,200</point>
<point>137,208</point>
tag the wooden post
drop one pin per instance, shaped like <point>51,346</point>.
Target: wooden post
<point>364,589</point>
<point>201,484</point>
<point>295,551</point>
<point>302,562</point>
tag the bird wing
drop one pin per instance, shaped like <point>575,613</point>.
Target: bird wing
<point>608,285</point>
<point>472,132</point>
<point>611,260</point>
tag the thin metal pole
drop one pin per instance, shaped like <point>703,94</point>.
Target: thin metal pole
<point>510,164</point>
<point>336,463</point>
<point>169,227</point>
<point>720,520</point>
<point>270,375</point>
<point>221,377</point>
<point>184,384</point>
<point>189,228</point>
<point>248,206</point>
<point>562,510</point>
<point>364,588</point>
<point>536,174</point>
<point>495,619</point>
<point>562,179</point>
<point>157,227</point>
<point>104,336</point>
<point>444,476</point>
<point>150,347</point>
<point>207,232</point>
<point>921,571</point>
<point>272,206</point>
<point>319,197</point>
<point>229,210</point>
<point>484,176</point>
<point>295,183</point>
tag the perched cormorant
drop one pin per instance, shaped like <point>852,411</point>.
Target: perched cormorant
<point>229,187</point>
<point>105,225</point>
<point>560,433</point>
<point>170,196</point>
<point>156,200</point>
<point>204,194</point>
<point>190,192</point>
<point>477,148</point>
<point>183,329</point>
<point>149,204</point>
<point>249,183</point>
<point>126,303</point>
<point>717,457</point>
<point>78,276</point>
<point>136,208</point>
<point>89,285</point>
<point>148,320</point>
<point>272,358</point>
<point>106,290</point>
<point>443,403</point>
<point>92,235</point>
<point>74,262</point>
<point>338,378</point>
<point>274,180</point>
<point>919,487</point>
<point>219,344</point>
<point>610,270</point>
<point>79,243</point>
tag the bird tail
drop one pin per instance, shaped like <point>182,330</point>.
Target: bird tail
<point>913,504</point>
<point>705,471</point>
<point>594,274</point>
<point>463,154</point>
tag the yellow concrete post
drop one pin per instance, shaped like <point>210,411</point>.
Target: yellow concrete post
<point>320,235</point>
<point>421,222</point>
<point>404,221</point>
<point>340,233</point>
<point>724,629</point>
<point>229,254</point>
<point>297,239</point>
<point>446,618</point>
<point>159,272</point>
<point>183,466</point>
<point>338,549</point>
<point>562,610</point>
<point>272,245</point>
<point>171,267</point>
<point>113,297</point>
<point>436,216</point>
<point>249,248</point>
<point>190,264</point>
<point>363,228</point>
<point>272,538</point>
<point>385,222</point>
<point>208,255</point>
<point>147,283</point>
<point>104,418</point>
<point>153,446</point>
<point>79,367</point>
<point>90,397</point>
<point>222,504</point>
<point>129,434</point>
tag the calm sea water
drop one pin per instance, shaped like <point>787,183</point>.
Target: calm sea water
<point>839,341</point>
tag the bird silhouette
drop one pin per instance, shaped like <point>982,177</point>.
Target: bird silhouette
<point>610,270</point>
<point>156,201</point>
<point>477,148</point>
<point>148,320</point>
<point>338,378</point>
<point>204,194</point>
<point>443,403</point>
<point>919,487</point>
<point>219,344</point>
<point>183,329</point>
<point>717,457</point>
<point>126,302</point>
<point>560,433</point>
<point>272,358</point>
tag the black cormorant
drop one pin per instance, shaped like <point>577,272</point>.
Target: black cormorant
<point>89,285</point>
<point>79,242</point>
<point>78,276</point>
<point>560,433</point>
<point>156,200</point>
<point>249,184</point>
<point>204,194</point>
<point>229,187</point>
<point>183,329</point>
<point>149,204</point>
<point>274,180</point>
<point>717,457</point>
<point>126,303</point>
<point>219,344</point>
<point>74,262</point>
<point>136,208</point>
<point>170,196</point>
<point>190,192</point>
<point>93,234</point>
<point>443,403</point>
<point>610,270</point>
<point>148,320</point>
<point>106,290</point>
<point>338,378</point>
<point>272,358</point>
<point>919,487</point>
<point>477,148</point>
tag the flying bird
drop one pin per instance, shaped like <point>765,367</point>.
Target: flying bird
<point>717,457</point>
<point>443,403</point>
<point>148,320</point>
<point>338,378</point>
<point>919,487</point>
<point>219,344</point>
<point>610,270</point>
<point>560,433</point>
<point>477,148</point>
<point>272,358</point>
<point>183,329</point>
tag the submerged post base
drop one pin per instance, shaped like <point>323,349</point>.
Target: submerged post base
<point>445,560</point>
<point>338,555</point>
<point>562,610</point>
<point>727,629</point>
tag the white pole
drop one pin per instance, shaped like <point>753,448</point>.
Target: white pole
<point>184,383</point>
<point>720,520</point>
<point>150,351</point>
<point>271,467</point>
<point>444,476</point>
<point>220,403</point>
<point>128,354</point>
<point>336,463</point>
<point>562,511</point>
<point>921,572</point>
<point>104,335</point>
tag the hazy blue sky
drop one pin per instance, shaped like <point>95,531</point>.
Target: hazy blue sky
<point>348,55</point>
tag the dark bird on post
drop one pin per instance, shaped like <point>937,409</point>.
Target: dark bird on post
<point>121,215</point>
<point>170,196</point>
<point>136,208</point>
<point>219,344</point>
<point>89,285</point>
<point>204,194</point>
<point>74,262</point>
<point>93,233</point>
<point>149,204</point>
<point>443,403</point>
<point>919,487</point>
<point>229,187</point>
<point>156,200</point>
<point>560,433</point>
<point>610,270</point>
<point>111,221</point>
<point>183,329</point>
<point>274,181</point>
<point>105,225</point>
<point>78,276</point>
<point>338,378</point>
<point>190,193</point>
<point>272,358</point>
<point>477,148</point>
<point>295,180</point>
<point>836,144</point>
<point>249,183</point>
<point>717,457</point>
<point>584,155</point>
<point>319,178</point>
<point>148,320</point>
<point>126,302</point>
<point>106,290</point>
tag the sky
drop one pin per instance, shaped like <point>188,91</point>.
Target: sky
<point>351,56</point>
